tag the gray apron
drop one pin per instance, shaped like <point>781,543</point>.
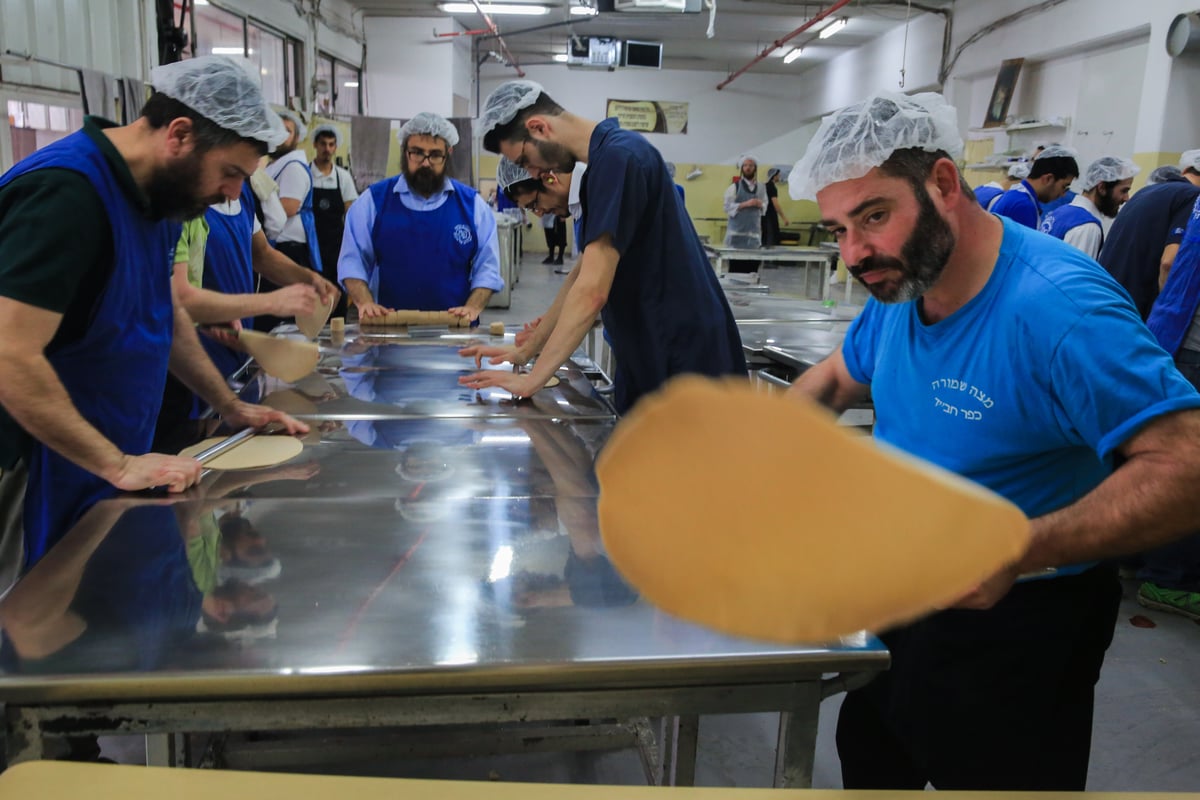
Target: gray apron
<point>745,227</point>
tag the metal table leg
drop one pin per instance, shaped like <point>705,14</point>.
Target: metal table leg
<point>797,747</point>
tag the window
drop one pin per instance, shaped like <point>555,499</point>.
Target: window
<point>267,51</point>
<point>277,56</point>
<point>32,126</point>
<point>218,32</point>
<point>347,92</point>
<point>323,99</point>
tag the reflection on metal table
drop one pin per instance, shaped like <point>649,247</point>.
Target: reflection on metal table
<point>805,256</point>
<point>412,567</point>
<point>748,307</point>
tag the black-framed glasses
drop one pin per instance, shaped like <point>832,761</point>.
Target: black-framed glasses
<point>418,155</point>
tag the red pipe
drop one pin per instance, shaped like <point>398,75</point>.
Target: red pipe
<point>778,43</point>
<point>503,47</point>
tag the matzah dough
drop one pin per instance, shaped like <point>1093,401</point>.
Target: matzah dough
<point>256,452</point>
<point>311,324</point>
<point>554,381</point>
<point>756,515</point>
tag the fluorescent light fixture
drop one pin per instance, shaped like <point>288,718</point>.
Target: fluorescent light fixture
<point>832,28</point>
<point>495,8</point>
<point>583,11</point>
<point>199,2</point>
<point>793,54</point>
<point>351,84</point>
<point>560,58</point>
<point>228,51</point>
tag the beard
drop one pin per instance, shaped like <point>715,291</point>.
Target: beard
<point>555,156</point>
<point>922,258</point>
<point>423,180</point>
<point>1106,204</point>
<point>172,191</point>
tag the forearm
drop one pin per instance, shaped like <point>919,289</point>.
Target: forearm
<point>549,320</point>
<point>207,307</point>
<point>576,318</point>
<point>478,299</point>
<point>359,292</point>
<point>1147,502</point>
<point>190,363</point>
<point>829,384</point>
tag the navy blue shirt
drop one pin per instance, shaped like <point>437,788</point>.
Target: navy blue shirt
<point>666,313</point>
<point>1152,219</point>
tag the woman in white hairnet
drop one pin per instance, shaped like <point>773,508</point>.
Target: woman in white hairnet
<point>88,227</point>
<point>1081,223</point>
<point>1013,360</point>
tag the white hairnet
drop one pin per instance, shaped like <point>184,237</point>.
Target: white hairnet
<point>223,92</point>
<point>1190,159</point>
<point>1164,174</point>
<point>859,138</point>
<point>1019,170</point>
<point>1057,151</point>
<point>301,128</point>
<point>503,104</point>
<point>509,174</point>
<point>429,124</point>
<point>1108,169</point>
<point>744,157</point>
<point>328,129</point>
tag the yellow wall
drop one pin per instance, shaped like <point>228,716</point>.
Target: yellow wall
<point>1150,162</point>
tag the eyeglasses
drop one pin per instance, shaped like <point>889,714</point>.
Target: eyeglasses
<point>418,155</point>
<point>536,206</point>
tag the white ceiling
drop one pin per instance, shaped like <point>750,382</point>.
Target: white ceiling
<point>743,29</point>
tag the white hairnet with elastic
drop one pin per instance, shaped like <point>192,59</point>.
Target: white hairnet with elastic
<point>1165,173</point>
<point>744,157</point>
<point>1190,158</point>
<point>429,124</point>
<point>509,174</point>
<point>505,102</point>
<point>1057,151</point>
<point>1108,169</point>
<point>330,130</point>
<point>1019,170</point>
<point>301,128</point>
<point>857,139</point>
<point>223,92</point>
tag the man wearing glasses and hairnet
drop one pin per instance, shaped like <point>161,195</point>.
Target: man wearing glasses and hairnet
<point>421,240</point>
<point>88,323</point>
<point>1016,361</point>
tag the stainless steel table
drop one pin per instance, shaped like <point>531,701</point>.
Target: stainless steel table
<point>421,563</point>
<point>804,256</point>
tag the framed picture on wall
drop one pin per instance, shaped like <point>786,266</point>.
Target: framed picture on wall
<point>1002,92</point>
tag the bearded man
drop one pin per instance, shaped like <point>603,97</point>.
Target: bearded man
<point>421,240</point>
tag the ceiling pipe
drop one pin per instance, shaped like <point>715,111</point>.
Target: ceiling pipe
<point>780,42</point>
<point>512,61</point>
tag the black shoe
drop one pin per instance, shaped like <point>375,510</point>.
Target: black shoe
<point>547,260</point>
<point>558,261</point>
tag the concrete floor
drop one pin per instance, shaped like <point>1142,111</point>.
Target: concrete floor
<point>1147,709</point>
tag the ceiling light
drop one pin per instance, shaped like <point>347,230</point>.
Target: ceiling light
<point>228,51</point>
<point>793,55</point>
<point>199,2</point>
<point>560,58</point>
<point>495,8</point>
<point>832,28</point>
<point>583,11</point>
<point>351,84</point>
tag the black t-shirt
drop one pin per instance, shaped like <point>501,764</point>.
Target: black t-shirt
<point>772,193</point>
<point>1152,219</point>
<point>56,253</point>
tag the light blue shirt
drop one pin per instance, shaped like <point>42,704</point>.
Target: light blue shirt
<point>357,259</point>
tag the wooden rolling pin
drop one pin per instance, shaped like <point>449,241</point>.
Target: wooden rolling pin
<point>395,318</point>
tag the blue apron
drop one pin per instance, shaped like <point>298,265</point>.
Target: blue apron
<point>1179,299</point>
<point>986,194</point>
<point>307,220</point>
<point>229,269</point>
<point>424,258</point>
<point>1066,218</point>
<point>115,374</point>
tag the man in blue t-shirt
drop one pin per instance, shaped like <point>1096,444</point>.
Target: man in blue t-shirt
<point>1051,172</point>
<point>643,267</point>
<point>1014,360</point>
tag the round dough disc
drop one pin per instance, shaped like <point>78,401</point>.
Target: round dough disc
<point>554,381</point>
<point>756,515</point>
<point>257,452</point>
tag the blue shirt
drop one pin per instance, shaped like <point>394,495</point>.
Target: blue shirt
<point>666,313</point>
<point>1152,219</point>
<point>1020,204</point>
<point>1066,199</point>
<point>357,259</point>
<point>1029,387</point>
<point>986,195</point>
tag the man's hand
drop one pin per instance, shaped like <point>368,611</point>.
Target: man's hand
<point>526,332</point>
<point>495,355</point>
<point>328,292</point>
<point>240,414</point>
<point>991,591</point>
<point>518,383</point>
<point>370,310</point>
<point>293,300</point>
<point>465,311</point>
<point>135,473</point>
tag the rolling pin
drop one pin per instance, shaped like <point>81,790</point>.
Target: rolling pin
<point>396,318</point>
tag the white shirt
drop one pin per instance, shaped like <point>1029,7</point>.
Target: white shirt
<point>1086,237</point>
<point>574,205</point>
<point>294,184</point>
<point>330,181</point>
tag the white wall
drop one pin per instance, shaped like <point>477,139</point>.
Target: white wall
<point>754,110</point>
<point>409,71</point>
